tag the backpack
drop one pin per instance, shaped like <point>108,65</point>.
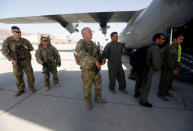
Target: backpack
<point>138,58</point>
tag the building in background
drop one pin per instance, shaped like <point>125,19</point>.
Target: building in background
<point>35,38</point>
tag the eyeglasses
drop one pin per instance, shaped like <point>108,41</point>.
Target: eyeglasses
<point>162,39</point>
<point>17,32</point>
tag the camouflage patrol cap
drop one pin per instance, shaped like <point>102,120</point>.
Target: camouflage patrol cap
<point>45,36</point>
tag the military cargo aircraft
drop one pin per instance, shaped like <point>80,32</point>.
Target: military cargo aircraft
<point>159,16</point>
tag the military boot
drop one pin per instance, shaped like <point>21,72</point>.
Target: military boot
<point>87,97</point>
<point>33,90</point>
<point>162,97</point>
<point>57,85</point>
<point>113,92</point>
<point>19,92</point>
<point>98,98</point>
<point>47,85</point>
<point>88,105</point>
<point>47,88</point>
<point>123,91</point>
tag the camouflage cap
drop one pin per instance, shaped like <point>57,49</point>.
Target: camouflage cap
<point>45,36</point>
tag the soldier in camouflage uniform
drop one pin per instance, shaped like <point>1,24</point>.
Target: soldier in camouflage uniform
<point>170,67</point>
<point>48,56</point>
<point>17,50</point>
<point>88,55</point>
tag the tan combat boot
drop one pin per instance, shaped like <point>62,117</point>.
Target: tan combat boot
<point>19,92</point>
<point>57,85</point>
<point>88,105</point>
<point>98,98</point>
<point>33,90</point>
<point>47,88</point>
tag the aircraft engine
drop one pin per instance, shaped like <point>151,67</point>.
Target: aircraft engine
<point>71,28</point>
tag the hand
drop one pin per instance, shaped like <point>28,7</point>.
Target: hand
<point>25,46</point>
<point>98,65</point>
<point>103,62</point>
<point>175,72</point>
<point>14,61</point>
<point>58,63</point>
<point>45,64</point>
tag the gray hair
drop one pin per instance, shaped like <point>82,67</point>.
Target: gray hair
<point>84,29</point>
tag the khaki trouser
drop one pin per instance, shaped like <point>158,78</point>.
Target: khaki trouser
<point>89,77</point>
<point>47,77</point>
<point>25,66</point>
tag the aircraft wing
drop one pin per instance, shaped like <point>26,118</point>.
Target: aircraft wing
<point>66,20</point>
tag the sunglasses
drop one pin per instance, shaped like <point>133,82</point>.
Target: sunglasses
<point>45,40</point>
<point>17,32</point>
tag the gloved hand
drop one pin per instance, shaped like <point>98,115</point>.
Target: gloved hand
<point>45,64</point>
<point>58,63</point>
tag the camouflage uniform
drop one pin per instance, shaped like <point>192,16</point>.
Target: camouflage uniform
<point>13,49</point>
<point>51,55</point>
<point>88,54</point>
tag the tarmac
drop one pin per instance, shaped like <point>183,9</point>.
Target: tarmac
<point>63,108</point>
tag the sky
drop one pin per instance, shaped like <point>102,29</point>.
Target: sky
<point>21,8</point>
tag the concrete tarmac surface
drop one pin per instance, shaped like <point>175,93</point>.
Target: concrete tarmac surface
<point>63,109</point>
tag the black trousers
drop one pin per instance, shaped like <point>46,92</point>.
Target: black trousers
<point>139,81</point>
